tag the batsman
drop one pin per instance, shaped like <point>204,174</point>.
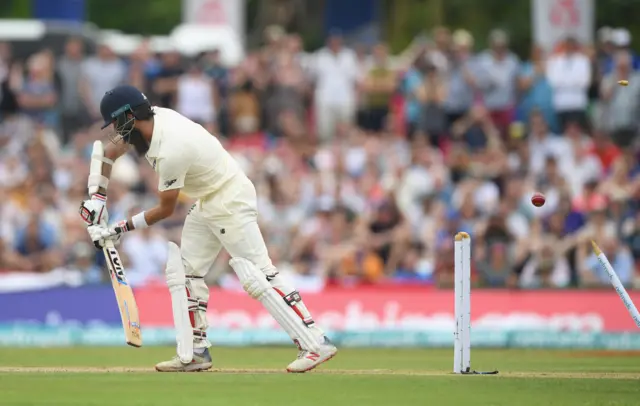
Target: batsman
<point>188,159</point>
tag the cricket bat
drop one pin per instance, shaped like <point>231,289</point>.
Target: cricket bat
<point>124,294</point>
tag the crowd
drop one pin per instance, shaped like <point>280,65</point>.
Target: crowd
<point>366,164</point>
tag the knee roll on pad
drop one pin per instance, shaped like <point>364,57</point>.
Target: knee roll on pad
<point>255,283</point>
<point>253,280</point>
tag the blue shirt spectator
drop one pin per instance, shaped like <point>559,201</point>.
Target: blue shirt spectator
<point>538,94</point>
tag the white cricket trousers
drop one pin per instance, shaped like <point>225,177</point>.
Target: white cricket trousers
<point>228,219</point>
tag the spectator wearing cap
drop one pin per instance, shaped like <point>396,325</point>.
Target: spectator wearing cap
<point>336,77</point>
<point>569,74</point>
<point>620,105</point>
<point>499,71</point>
<point>604,48</point>
<point>536,91</point>
<point>620,40</point>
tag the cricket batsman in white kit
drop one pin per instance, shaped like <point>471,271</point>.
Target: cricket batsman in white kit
<point>190,160</point>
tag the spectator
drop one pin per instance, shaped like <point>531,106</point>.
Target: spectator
<point>82,260</point>
<point>37,96</point>
<point>439,56</point>
<point>621,105</point>
<point>619,39</point>
<point>354,209</point>
<point>537,92</point>
<point>431,94</point>
<point>476,129</point>
<point>605,49</point>
<point>10,260</point>
<point>36,243</point>
<point>499,67</point>
<point>591,272</point>
<point>547,266</point>
<point>630,234</point>
<point>378,85</point>
<point>411,81</point>
<point>70,68</point>
<point>244,104</point>
<point>543,143</point>
<point>462,78</point>
<point>386,232</point>
<point>415,266</point>
<point>336,77</point>
<point>101,73</point>
<point>495,251</point>
<point>569,74</point>
<point>287,91</point>
<point>150,266</point>
<point>195,97</point>
<point>214,68</point>
<point>165,83</point>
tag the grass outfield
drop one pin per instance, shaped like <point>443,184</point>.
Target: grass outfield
<point>255,376</point>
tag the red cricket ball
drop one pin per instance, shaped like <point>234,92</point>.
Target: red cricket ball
<point>538,199</point>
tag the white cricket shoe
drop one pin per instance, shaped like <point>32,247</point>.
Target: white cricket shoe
<point>308,360</point>
<point>200,362</point>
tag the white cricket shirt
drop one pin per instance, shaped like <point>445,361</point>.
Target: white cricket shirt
<point>186,156</point>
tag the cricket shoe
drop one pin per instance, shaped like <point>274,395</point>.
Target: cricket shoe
<point>308,360</point>
<point>200,362</point>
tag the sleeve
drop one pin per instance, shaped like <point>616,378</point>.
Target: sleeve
<point>171,173</point>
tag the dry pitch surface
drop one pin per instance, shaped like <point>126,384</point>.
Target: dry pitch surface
<point>261,371</point>
<point>255,376</point>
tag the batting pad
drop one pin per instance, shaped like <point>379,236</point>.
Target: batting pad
<point>176,280</point>
<point>256,285</point>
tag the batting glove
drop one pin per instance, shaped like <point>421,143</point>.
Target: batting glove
<point>94,210</point>
<point>100,234</point>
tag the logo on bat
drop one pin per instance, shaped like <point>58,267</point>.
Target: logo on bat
<point>118,270</point>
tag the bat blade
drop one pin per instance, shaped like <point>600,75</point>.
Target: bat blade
<point>124,296</point>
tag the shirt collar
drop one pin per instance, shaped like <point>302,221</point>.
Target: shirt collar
<point>156,136</point>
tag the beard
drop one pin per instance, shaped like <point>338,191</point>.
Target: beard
<point>139,143</point>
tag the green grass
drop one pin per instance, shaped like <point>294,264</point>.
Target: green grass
<point>355,377</point>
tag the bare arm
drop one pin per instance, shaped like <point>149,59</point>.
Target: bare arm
<point>164,209</point>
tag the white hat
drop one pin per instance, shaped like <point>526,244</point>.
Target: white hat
<point>621,37</point>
